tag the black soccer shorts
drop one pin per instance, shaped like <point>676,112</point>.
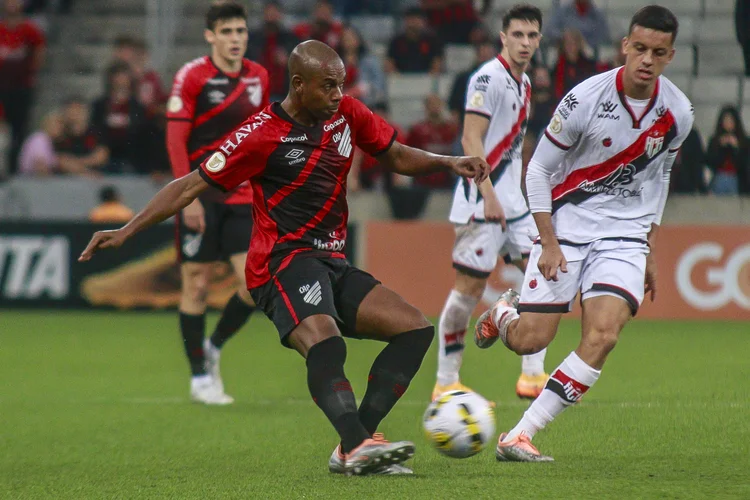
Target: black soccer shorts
<point>312,285</point>
<point>228,230</point>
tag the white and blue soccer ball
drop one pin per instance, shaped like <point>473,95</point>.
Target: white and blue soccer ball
<point>459,424</point>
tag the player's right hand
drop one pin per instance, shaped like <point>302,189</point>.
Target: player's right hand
<point>101,240</point>
<point>194,216</point>
<point>551,260</point>
<point>493,211</point>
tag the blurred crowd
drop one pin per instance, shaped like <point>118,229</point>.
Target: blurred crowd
<point>123,131</point>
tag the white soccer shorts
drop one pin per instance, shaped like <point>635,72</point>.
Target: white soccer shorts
<point>478,244</point>
<point>615,267</point>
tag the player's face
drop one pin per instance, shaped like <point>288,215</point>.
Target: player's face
<point>521,40</point>
<point>647,53</point>
<point>322,94</point>
<point>228,39</point>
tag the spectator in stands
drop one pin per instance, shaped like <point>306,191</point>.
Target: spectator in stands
<point>79,150</point>
<point>416,50</point>
<point>543,101</point>
<point>120,122</point>
<point>22,48</point>
<point>436,134</point>
<point>148,85</point>
<point>323,27</point>
<point>688,169</point>
<point>452,20</point>
<point>348,8</point>
<point>617,60</point>
<point>111,209</point>
<point>366,173</point>
<point>573,65</point>
<point>364,73</point>
<point>581,15</point>
<point>742,29</point>
<point>37,156</point>
<point>270,46</point>
<point>483,52</point>
<point>727,154</point>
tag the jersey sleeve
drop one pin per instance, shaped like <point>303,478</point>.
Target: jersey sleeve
<point>372,134</point>
<point>569,120</point>
<point>482,94</point>
<point>684,119</point>
<point>241,157</point>
<point>185,91</point>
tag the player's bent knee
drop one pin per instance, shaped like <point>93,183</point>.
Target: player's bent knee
<point>602,340</point>
<point>469,285</point>
<point>244,296</point>
<point>311,331</point>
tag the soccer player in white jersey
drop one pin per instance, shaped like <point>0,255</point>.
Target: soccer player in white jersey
<point>492,219</point>
<point>597,185</point>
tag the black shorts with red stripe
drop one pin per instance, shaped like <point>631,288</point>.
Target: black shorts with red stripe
<point>311,285</point>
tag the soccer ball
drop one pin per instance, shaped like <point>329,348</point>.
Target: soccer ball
<point>459,423</point>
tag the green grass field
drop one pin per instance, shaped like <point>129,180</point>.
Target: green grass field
<point>95,405</point>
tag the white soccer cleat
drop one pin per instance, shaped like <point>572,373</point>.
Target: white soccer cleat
<point>204,389</point>
<point>212,356</point>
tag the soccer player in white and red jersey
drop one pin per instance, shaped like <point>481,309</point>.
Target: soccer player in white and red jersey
<point>297,155</point>
<point>492,219</point>
<point>597,185</point>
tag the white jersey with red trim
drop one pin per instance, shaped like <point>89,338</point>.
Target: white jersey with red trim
<point>611,177</point>
<point>496,94</point>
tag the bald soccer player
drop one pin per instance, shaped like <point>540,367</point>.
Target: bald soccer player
<point>296,155</point>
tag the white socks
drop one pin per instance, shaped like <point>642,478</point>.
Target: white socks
<point>533,364</point>
<point>567,384</point>
<point>454,320</point>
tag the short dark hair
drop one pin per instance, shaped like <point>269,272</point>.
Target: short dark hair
<point>522,12</point>
<point>223,11</point>
<point>657,18</point>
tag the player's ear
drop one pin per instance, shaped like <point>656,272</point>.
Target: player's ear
<point>624,45</point>
<point>503,37</point>
<point>209,35</point>
<point>297,84</point>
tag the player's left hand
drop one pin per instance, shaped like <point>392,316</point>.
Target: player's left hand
<point>471,167</point>
<point>101,240</point>
<point>650,284</point>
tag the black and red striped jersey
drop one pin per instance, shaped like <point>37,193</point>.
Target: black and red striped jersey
<point>215,103</point>
<point>298,175</point>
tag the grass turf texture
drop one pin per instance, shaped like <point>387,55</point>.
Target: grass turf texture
<point>95,405</point>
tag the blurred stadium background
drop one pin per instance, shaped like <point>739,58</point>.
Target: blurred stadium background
<point>93,389</point>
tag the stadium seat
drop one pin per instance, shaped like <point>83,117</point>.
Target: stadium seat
<point>628,7</point>
<point>745,116</point>
<point>374,28</point>
<point>445,85</point>
<point>715,90</point>
<point>746,91</point>
<point>103,29</point>
<point>705,119</point>
<point>458,58</point>
<point>380,50</point>
<point>720,59</point>
<point>405,111</point>
<point>722,7</point>
<point>717,29</point>
<point>410,86</point>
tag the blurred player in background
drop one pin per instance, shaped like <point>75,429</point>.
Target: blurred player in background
<point>492,219</point>
<point>297,155</point>
<point>211,96</point>
<point>597,185</point>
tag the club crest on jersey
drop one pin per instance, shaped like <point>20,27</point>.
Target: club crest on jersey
<point>345,142</point>
<point>255,94</point>
<point>653,146</point>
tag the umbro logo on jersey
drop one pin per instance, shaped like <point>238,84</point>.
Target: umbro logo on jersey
<point>313,294</point>
<point>216,96</point>
<point>296,156</point>
<point>485,79</point>
<point>345,144</point>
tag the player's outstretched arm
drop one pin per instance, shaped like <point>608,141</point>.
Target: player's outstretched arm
<point>410,161</point>
<point>168,201</point>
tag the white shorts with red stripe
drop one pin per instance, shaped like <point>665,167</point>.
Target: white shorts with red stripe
<point>479,244</point>
<point>615,267</point>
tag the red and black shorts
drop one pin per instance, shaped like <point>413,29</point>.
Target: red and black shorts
<point>312,285</point>
<point>228,230</point>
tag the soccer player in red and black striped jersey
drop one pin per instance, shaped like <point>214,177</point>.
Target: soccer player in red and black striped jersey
<point>296,155</point>
<point>211,96</point>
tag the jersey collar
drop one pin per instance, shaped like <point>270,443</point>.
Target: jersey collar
<point>507,67</point>
<point>624,101</point>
